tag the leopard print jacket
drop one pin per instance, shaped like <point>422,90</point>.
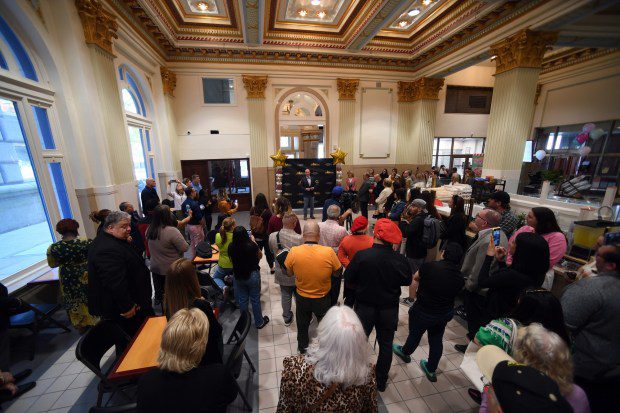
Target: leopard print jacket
<point>300,390</point>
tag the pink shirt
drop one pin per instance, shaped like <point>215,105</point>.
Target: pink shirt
<point>556,241</point>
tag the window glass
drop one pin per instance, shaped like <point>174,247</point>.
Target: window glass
<point>60,190</point>
<point>435,144</point>
<point>43,126</point>
<point>19,53</point>
<point>284,141</point>
<point>138,156</point>
<point>443,160</point>
<point>468,146</point>
<point>129,103</point>
<point>445,146</point>
<point>243,168</point>
<point>3,63</point>
<point>24,227</point>
<point>148,139</point>
<point>152,165</point>
<point>218,91</point>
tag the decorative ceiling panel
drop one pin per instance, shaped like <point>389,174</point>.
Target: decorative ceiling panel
<point>326,12</point>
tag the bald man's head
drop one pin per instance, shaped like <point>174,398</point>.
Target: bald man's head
<point>311,231</point>
<point>150,182</point>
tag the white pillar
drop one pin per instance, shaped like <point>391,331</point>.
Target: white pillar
<point>259,155</point>
<point>347,89</point>
<point>518,60</point>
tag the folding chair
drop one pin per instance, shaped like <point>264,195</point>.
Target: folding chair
<point>34,317</point>
<point>234,352</point>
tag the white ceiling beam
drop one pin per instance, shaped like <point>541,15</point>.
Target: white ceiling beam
<point>383,16</point>
<point>252,12</point>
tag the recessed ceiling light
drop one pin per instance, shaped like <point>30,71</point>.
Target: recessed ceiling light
<point>202,6</point>
<point>321,14</point>
<point>403,23</point>
<point>427,2</point>
<point>494,57</point>
<point>302,13</point>
<point>414,12</point>
<point>316,2</point>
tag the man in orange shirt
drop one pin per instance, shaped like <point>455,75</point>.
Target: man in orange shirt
<point>350,245</point>
<point>313,266</point>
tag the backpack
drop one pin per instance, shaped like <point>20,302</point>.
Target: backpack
<point>433,229</point>
<point>257,225</point>
<point>204,249</point>
<point>281,254</point>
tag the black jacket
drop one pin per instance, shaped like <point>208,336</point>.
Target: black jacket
<point>146,195</point>
<point>117,278</point>
<point>203,389</point>
<point>7,305</point>
<point>415,247</point>
<point>455,229</point>
<point>440,283</point>
<point>363,195</point>
<point>378,272</point>
<point>304,184</point>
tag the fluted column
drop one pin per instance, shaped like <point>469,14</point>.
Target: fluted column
<point>255,87</point>
<point>99,29</point>
<point>424,128</point>
<point>347,89</point>
<point>405,149</point>
<point>518,60</point>
<point>169,83</point>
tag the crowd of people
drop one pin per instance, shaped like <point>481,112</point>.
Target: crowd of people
<point>528,341</point>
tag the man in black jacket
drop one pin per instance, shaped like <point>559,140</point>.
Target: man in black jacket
<point>149,193</point>
<point>415,248</point>
<point>379,272</point>
<point>136,236</point>
<point>363,195</point>
<point>308,186</point>
<point>119,283</point>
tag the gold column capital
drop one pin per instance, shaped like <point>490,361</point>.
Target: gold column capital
<point>99,25</point>
<point>255,86</point>
<point>347,88</point>
<point>168,80</point>
<point>427,88</point>
<point>406,91</point>
<point>523,49</point>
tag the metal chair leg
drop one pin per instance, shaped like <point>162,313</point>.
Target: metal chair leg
<point>245,400</point>
<point>245,354</point>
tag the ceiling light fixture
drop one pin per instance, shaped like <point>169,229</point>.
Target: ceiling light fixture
<point>321,14</point>
<point>302,13</point>
<point>413,12</point>
<point>202,6</point>
<point>427,2</point>
<point>316,2</point>
<point>403,23</point>
<point>494,57</point>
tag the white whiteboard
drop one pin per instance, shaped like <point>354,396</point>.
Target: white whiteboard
<point>376,123</point>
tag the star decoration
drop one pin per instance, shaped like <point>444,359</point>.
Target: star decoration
<point>338,156</point>
<point>279,159</point>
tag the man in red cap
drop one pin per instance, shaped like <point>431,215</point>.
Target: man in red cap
<point>350,245</point>
<point>379,273</point>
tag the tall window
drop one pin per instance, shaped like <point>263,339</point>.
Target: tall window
<point>139,126</point>
<point>33,192</point>
<point>456,152</point>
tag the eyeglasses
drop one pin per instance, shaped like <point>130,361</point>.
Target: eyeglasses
<point>479,216</point>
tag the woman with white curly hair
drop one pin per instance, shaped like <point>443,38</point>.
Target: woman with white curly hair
<point>335,374</point>
<point>546,351</point>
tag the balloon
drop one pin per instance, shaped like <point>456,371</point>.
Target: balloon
<point>588,127</point>
<point>596,133</point>
<point>540,154</point>
<point>582,137</point>
<point>584,150</point>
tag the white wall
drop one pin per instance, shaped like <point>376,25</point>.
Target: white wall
<point>583,93</point>
<point>464,124</point>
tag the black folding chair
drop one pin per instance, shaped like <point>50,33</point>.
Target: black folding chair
<point>91,349</point>
<point>234,351</point>
<point>35,317</point>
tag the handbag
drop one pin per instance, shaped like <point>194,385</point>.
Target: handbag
<point>282,253</point>
<point>204,249</point>
<point>326,394</point>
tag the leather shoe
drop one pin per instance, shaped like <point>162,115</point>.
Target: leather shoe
<point>461,348</point>
<point>22,375</point>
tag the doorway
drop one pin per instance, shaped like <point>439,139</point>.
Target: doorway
<point>230,175</point>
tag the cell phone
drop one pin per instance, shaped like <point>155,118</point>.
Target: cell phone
<point>497,234</point>
<point>612,238</point>
<point>249,232</point>
<point>236,202</point>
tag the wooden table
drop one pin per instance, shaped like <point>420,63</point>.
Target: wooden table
<point>213,260</point>
<point>141,354</point>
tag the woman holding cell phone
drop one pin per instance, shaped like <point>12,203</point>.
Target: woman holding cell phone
<point>530,260</point>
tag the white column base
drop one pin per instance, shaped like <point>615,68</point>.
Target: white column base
<point>511,177</point>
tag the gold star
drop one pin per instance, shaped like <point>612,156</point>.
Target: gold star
<point>338,156</point>
<point>279,159</point>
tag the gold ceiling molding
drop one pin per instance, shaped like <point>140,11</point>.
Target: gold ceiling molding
<point>99,25</point>
<point>406,91</point>
<point>427,88</point>
<point>347,88</point>
<point>168,80</point>
<point>255,86</point>
<point>572,57</point>
<point>524,49</point>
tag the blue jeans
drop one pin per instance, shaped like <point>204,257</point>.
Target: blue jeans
<point>308,203</point>
<point>219,274</point>
<point>250,289</point>
<point>420,322</point>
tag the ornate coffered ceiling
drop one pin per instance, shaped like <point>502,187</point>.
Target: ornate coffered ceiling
<point>403,35</point>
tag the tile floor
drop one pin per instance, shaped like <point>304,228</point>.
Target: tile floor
<point>65,385</point>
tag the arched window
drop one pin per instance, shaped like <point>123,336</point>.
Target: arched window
<point>139,126</point>
<point>33,192</point>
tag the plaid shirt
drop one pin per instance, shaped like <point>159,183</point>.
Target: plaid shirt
<point>331,234</point>
<point>508,223</point>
